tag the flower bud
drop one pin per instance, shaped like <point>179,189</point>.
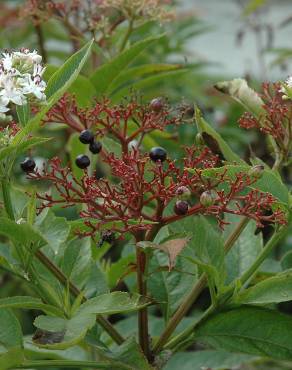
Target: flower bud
<point>257,171</point>
<point>183,193</point>
<point>208,198</point>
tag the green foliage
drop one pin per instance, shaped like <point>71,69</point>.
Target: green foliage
<point>249,330</point>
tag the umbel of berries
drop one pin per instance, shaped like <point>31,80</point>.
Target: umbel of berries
<point>82,161</point>
<point>86,137</point>
<point>181,207</point>
<point>27,165</point>
<point>158,154</point>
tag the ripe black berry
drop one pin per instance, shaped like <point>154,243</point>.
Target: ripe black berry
<point>181,207</point>
<point>86,137</point>
<point>95,147</point>
<point>157,104</point>
<point>82,161</point>
<point>27,165</point>
<point>158,154</point>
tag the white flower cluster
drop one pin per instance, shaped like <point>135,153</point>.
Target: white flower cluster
<point>286,88</point>
<point>20,78</point>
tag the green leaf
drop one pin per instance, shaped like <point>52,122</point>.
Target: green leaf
<point>203,126</point>
<point>129,353</point>
<point>140,72</point>
<point>198,360</point>
<point>23,113</point>
<point>32,303</point>
<point>20,233</point>
<point>82,88</point>
<point>105,75</point>
<point>11,359</point>
<point>113,303</point>
<point>63,333</point>
<point>22,147</point>
<point>118,269</point>
<point>272,290</point>
<point>54,230</point>
<point>239,90</point>
<point>10,333</point>
<point>268,182</point>
<point>169,288</point>
<point>249,330</point>
<point>77,261</point>
<point>58,84</point>
<point>245,249</point>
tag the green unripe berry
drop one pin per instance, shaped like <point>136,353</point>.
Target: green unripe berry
<point>208,198</point>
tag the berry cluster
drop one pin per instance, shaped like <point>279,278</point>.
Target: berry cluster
<point>276,119</point>
<point>142,186</point>
<point>87,137</point>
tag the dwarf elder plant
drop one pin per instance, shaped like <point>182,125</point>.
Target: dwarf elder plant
<point>176,226</point>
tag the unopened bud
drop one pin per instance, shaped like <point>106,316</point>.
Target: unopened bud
<point>183,193</point>
<point>208,198</point>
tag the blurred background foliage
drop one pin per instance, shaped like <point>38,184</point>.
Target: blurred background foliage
<point>207,41</point>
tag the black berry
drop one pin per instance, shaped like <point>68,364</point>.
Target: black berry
<point>86,137</point>
<point>157,104</point>
<point>158,154</point>
<point>181,207</point>
<point>95,147</point>
<point>27,165</point>
<point>82,161</point>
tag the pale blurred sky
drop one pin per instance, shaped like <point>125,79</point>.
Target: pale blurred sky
<point>219,44</point>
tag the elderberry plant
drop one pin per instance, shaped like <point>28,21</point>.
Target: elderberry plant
<point>116,237</point>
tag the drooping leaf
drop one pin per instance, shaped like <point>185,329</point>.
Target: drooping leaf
<point>249,330</point>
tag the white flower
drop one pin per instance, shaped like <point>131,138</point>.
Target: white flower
<point>288,82</point>
<point>286,88</point>
<point>20,78</point>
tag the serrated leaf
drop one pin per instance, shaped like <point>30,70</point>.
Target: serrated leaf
<point>105,75</point>
<point>249,330</point>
